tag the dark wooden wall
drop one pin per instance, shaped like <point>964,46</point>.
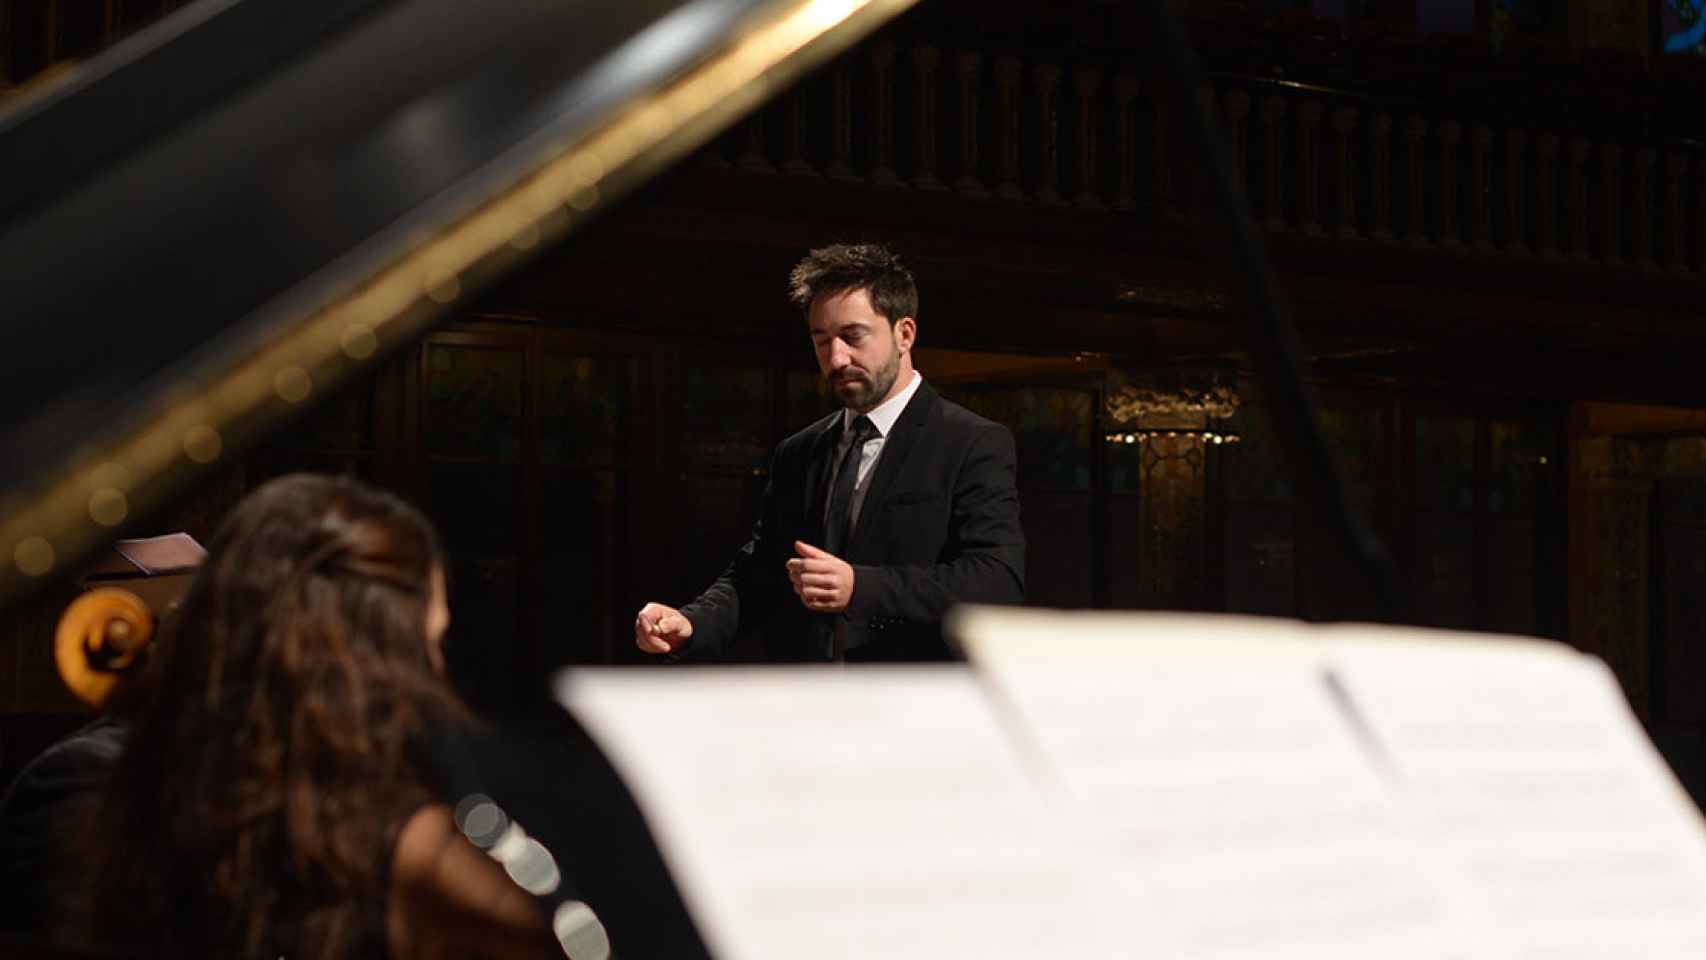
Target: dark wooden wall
<point>1466,270</point>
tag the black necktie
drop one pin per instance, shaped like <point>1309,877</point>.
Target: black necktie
<point>836,524</point>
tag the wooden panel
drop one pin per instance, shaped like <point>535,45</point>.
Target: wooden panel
<point>1057,539</point>
<point>1522,484</point>
<point>580,570</point>
<point>1609,545</point>
<point>1443,565</point>
<point>1261,565</point>
<point>1680,660</point>
<point>474,402</point>
<point>725,412</point>
<point>586,410</point>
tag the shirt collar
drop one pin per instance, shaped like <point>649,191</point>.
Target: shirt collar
<point>884,415</point>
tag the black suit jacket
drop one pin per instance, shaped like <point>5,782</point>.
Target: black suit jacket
<point>939,524</point>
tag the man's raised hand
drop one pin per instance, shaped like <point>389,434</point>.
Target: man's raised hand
<point>661,629</point>
<point>822,580</point>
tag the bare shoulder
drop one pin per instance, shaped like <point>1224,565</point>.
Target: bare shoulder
<point>449,898</point>
<point>421,843</point>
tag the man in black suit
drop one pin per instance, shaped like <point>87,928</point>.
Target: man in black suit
<point>877,518</point>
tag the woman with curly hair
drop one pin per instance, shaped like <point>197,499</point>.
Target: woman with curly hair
<point>272,800</point>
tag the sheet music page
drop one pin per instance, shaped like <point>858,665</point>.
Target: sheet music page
<point>861,812</point>
<point>1209,754</point>
<point>1522,762</point>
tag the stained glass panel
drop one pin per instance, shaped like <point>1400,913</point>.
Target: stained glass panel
<point>1171,557</point>
<point>1051,426</point>
<point>474,402</point>
<point>585,407</point>
<point>725,414</point>
<point>1354,435</point>
<point>1445,521</point>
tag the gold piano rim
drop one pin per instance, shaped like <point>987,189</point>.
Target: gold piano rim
<point>76,508</point>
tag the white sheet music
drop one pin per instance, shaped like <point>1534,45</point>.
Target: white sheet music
<point>1210,756</point>
<point>864,813</point>
<point>1165,786</point>
<point>1523,766</point>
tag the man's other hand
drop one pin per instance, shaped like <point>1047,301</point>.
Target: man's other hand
<point>661,629</point>
<point>823,581</point>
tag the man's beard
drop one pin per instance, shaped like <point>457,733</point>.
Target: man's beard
<point>860,393</point>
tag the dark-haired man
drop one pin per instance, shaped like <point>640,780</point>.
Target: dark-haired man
<point>877,518</point>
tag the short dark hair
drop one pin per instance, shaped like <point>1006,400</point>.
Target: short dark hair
<point>841,267</point>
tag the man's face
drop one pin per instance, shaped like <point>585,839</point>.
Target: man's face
<point>859,352</point>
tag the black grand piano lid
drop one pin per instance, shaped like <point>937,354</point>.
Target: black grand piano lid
<point>228,214</point>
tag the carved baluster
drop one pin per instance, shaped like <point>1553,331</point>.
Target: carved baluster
<point>752,156</point>
<point>1007,74</point>
<point>1516,234</point>
<point>1415,137</point>
<point>1237,115</point>
<point>1165,200</point>
<point>1198,187</point>
<point>1344,170</point>
<point>841,125</point>
<point>1546,196</point>
<point>1700,218</point>
<point>1580,148</point>
<point>924,61</point>
<point>969,66</point>
<point>1273,116</point>
<point>1380,176</point>
<point>1480,179</point>
<point>1449,134</point>
<point>1047,76</point>
<point>7,38</point>
<point>1309,168</point>
<point>52,29</point>
<point>1676,167</point>
<point>1611,182</point>
<point>1087,80</point>
<point>794,152</point>
<point>1125,98</point>
<point>882,115</point>
<point>1645,158</point>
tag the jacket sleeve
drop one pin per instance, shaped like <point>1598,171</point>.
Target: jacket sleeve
<point>984,558</point>
<point>747,593</point>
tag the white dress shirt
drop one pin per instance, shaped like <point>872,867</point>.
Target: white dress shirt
<point>883,417</point>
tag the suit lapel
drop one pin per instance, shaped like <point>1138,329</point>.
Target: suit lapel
<point>817,475</point>
<point>897,446</point>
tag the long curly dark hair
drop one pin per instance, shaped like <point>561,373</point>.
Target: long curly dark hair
<point>273,746</point>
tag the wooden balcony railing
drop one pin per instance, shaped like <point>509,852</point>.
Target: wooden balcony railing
<point>1316,162</point>
<point>1443,167</point>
